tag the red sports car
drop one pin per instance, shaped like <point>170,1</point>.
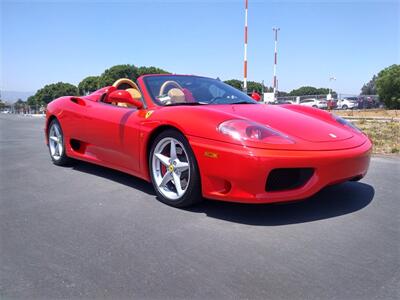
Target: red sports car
<point>196,137</point>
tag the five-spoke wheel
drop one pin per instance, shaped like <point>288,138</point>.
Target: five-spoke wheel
<point>56,143</point>
<point>173,170</point>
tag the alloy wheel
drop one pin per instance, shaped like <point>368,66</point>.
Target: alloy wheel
<point>170,168</point>
<point>55,141</point>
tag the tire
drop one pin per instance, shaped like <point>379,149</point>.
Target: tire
<point>315,106</point>
<point>56,144</point>
<point>166,171</point>
<point>344,107</point>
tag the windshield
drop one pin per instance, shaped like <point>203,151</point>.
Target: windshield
<point>193,90</point>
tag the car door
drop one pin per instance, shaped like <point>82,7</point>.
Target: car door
<point>112,134</point>
<point>73,118</point>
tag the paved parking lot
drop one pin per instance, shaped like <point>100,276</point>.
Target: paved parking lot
<point>90,232</point>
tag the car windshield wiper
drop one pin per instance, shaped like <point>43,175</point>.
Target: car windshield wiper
<point>184,103</point>
<point>228,103</point>
<point>242,102</point>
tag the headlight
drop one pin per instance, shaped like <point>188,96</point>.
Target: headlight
<point>243,130</point>
<point>344,122</point>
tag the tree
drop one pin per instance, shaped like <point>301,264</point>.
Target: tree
<point>282,94</point>
<point>255,86</point>
<point>19,106</point>
<point>251,85</point>
<point>388,86</point>
<point>88,85</point>
<point>323,91</point>
<point>311,91</point>
<point>304,90</point>
<point>370,87</point>
<point>235,83</point>
<point>150,70</point>
<point>20,102</point>
<point>114,73</point>
<point>55,90</point>
<point>31,101</point>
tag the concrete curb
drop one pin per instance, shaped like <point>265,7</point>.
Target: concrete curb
<point>379,119</point>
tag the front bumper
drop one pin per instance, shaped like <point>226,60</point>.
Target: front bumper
<point>239,174</point>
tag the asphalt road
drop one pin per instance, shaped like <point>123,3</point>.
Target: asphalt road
<point>90,232</point>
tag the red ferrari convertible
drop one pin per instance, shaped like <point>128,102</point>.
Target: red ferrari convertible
<point>196,137</point>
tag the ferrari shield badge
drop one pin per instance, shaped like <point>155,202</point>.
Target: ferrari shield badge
<point>148,114</point>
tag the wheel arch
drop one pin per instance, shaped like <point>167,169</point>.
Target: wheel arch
<point>147,147</point>
<point>158,130</point>
<point>147,169</point>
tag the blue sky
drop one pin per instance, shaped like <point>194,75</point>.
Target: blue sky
<point>50,41</point>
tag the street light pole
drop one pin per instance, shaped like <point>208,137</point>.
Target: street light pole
<point>275,29</point>
<point>245,48</point>
<point>330,85</point>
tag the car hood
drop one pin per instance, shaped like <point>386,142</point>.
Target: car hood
<point>292,123</point>
<point>312,130</point>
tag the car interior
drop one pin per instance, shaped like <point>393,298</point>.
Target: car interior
<point>171,92</point>
<point>129,86</point>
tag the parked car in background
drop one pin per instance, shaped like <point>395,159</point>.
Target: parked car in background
<point>347,103</point>
<point>316,103</point>
<point>366,102</point>
<point>282,102</point>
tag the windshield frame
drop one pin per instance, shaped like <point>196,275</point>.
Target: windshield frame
<point>167,77</point>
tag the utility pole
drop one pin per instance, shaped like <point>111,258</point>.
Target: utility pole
<point>275,29</point>
<point>277,86</point>
<point>262,88</point>
<point>245,48</point>
<point>330,86</point>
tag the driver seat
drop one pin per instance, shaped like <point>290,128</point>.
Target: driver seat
<point>134,93</point>
<point>133,89</point>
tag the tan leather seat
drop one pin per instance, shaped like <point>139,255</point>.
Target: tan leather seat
<point>176,96</point>
<point>134,93</point>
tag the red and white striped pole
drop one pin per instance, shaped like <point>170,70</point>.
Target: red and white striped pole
<point>275,57</point>
<point>245,48</point>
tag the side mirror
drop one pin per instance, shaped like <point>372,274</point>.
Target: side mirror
<point>123,96</point>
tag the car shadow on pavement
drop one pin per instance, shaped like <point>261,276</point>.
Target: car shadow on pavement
<point>330,202</point>
<point>114,175</point>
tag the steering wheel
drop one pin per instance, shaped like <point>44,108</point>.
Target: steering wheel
<point>167,83</point>
<point>125,81</point>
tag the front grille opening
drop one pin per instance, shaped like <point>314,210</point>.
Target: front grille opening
<point>288,178</point>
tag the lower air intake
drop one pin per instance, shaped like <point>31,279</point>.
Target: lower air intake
<point>288,179</point>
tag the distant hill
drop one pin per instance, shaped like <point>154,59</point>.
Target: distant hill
<point>13,96</point>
